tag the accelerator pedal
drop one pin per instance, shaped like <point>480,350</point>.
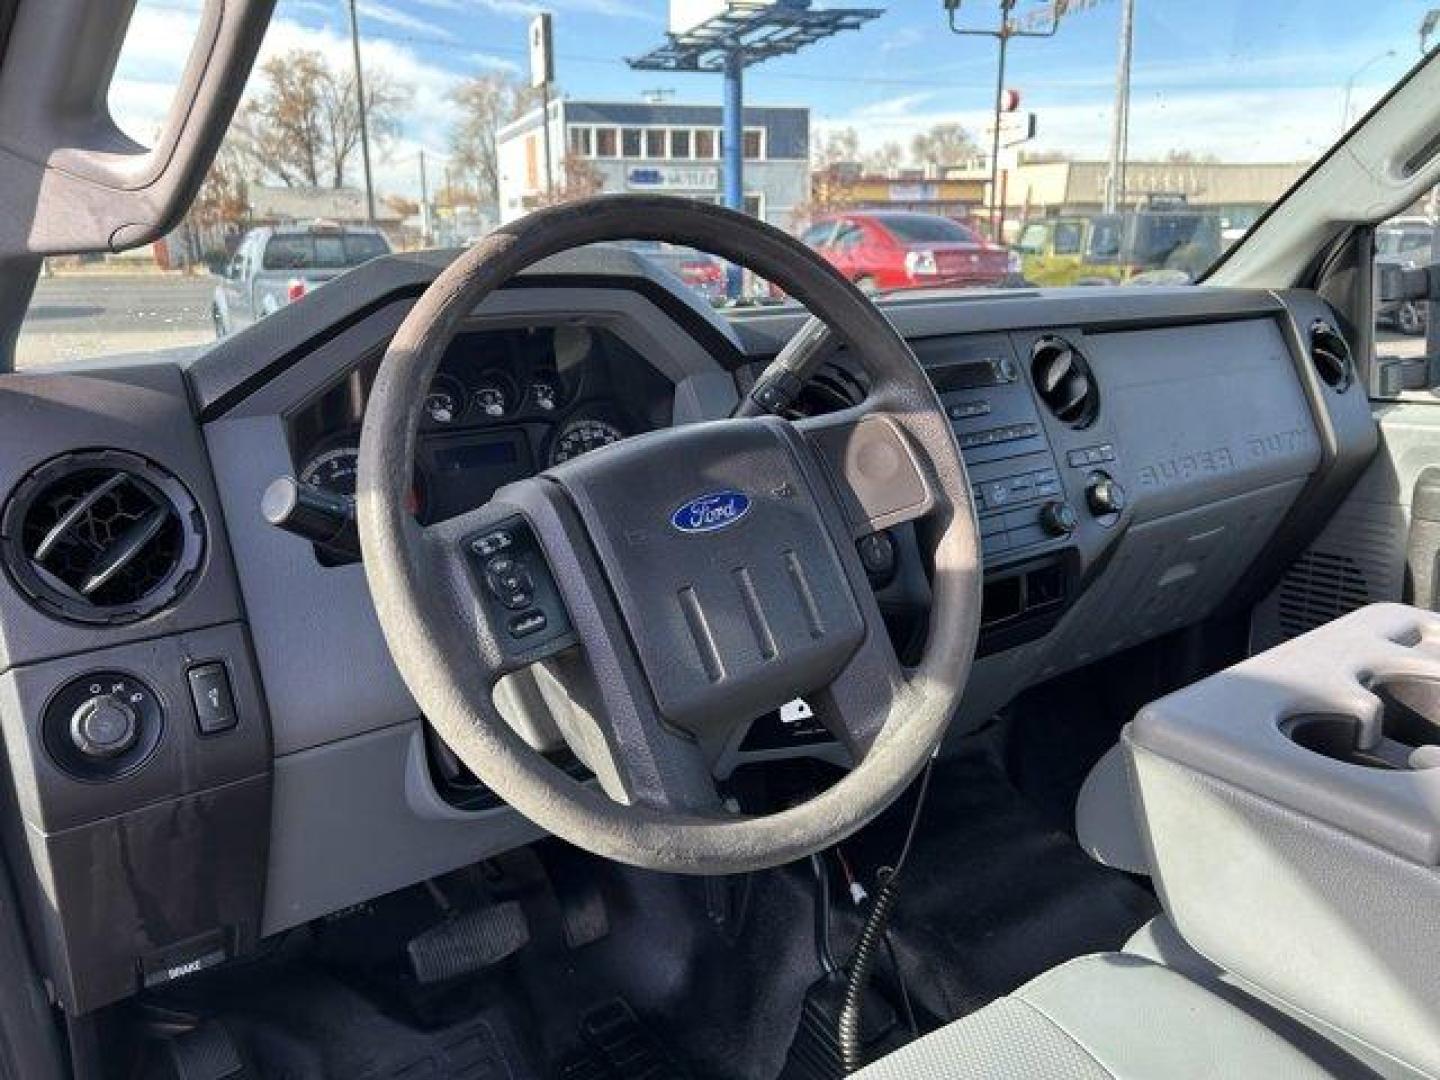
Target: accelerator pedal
<point>468,942</point>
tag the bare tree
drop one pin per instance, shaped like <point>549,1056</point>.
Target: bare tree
<point>579,180</point>
<point>835,148</point>
<point>487,103</point>
<point>886,159</point>
<point>942,145</point>
<point>303,125</point>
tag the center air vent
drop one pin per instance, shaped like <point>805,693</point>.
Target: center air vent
<point>101,537</point>
<point>1064,381</point>
<point>1330,353</point>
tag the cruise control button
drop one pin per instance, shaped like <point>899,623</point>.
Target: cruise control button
<point>532,622</point>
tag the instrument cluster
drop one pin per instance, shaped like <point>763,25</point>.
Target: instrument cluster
<point>504,405</point>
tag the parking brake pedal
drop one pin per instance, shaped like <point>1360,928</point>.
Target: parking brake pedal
<point>468,942</point>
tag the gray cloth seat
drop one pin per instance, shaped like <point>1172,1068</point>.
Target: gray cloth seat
<point>1113,1016</point>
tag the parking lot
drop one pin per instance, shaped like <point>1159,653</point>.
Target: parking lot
<point>88,314</point>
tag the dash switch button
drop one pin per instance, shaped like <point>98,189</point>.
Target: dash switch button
<point>214,703</point>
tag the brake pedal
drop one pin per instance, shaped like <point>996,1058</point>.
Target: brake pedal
<point>468,943</point>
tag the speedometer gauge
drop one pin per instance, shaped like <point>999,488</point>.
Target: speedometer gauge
<point>333,471</point>
<point>582,436</point>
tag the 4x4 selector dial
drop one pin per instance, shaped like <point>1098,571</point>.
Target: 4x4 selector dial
<point>1104,496</point>
<point>104,726</point>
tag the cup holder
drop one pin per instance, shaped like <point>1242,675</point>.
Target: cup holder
<point>1408,736</point>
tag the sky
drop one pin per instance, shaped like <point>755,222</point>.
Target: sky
<point>1263,80</point>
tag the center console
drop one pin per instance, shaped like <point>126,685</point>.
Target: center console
<point>1291,806</point>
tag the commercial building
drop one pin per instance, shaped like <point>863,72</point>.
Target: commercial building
<point>662,148</point>
<point>1238,192</point>
<point>847,186</point>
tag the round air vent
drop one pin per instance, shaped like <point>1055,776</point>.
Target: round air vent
<point>1330,353</point>
<point>1064,381</point>
<point>829,390</point>
<point>101,536</point>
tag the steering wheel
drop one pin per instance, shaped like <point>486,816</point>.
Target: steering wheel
<point>683,582</point>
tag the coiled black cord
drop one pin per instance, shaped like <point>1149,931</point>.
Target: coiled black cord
<point>873,938</point>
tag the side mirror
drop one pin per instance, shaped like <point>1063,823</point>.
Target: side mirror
<point>70,179</point>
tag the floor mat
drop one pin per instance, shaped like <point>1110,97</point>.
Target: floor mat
<point>992,894</point>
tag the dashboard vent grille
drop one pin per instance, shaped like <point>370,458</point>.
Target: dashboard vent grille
<point>1064,382</point>
<point>1318,587</point>
<point>101,537</point>
<point>1330,353</point>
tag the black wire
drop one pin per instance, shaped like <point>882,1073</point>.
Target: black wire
<point>906,1005</point>
<point>822,915</point>
<point>915,815</point>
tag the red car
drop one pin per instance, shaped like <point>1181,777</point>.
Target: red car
<point>893,249</point>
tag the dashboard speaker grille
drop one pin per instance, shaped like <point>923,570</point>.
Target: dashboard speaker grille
<point>101,537</point>
<point>1330,353</point>
<point>1064,381</point>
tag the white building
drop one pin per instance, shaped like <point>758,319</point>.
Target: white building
<point>660,148</point>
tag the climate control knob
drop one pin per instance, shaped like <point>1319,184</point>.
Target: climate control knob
<point>104,727</point>
<point>1058,518</point>
<point>1105,496</point>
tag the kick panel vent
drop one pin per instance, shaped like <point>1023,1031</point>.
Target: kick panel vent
<point>1318,587</point>
<point>1064,381</point>
<point>1330,353</point>
<point>101,537</point>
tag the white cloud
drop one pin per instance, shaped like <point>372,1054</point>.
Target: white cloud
<point>402,20</point>
<point>1291,124</point>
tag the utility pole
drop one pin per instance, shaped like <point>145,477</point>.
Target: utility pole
<point>364,120</point>
<point>542,74</point>
<point>425,230</point>
<point>1120,122</point>
<point>1002,34</point>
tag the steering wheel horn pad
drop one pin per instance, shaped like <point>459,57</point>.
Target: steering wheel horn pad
<point>707,573</point>
<point>729,613</point>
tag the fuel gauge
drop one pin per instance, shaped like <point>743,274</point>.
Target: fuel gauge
<point>545,391</point>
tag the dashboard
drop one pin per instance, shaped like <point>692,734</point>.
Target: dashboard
<point>1140,460</point>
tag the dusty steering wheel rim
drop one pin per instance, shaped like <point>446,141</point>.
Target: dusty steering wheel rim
<point>422,639</point>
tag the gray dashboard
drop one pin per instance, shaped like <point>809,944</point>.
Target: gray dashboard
<point>1210,421</point>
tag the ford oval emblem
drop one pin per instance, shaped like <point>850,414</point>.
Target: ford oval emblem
<point>718,510</point>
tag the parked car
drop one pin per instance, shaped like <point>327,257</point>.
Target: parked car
<point>274,267</point>
<point>701,272</point>
<point>1115,248</point>
<point>1403,244</point>
<point>889,249</point>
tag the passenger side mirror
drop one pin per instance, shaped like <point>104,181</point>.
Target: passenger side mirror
<point>70,179</point>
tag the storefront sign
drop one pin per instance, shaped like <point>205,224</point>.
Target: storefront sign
<point>672,178</point>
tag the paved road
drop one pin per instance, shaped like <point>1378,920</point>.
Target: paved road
<point>93,314</point>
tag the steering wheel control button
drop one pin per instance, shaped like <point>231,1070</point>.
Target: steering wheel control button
<point>532,622</point>
<point>517,588</point>
<point>102,725</point>
<point>491,542</point>
<point>214,703</point>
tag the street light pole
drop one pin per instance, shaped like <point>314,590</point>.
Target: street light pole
<point>1120,122</point>
<point>1002,35</point>
<point>364,122</point>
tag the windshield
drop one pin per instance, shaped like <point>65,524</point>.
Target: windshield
<point>1105,159</point>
